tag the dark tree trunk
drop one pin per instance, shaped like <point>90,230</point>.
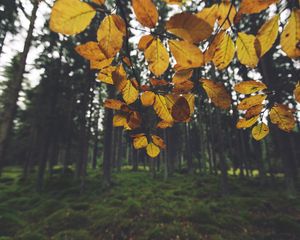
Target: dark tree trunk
<point>108,126</point>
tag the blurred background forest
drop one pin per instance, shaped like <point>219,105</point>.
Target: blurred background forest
<point>53,122</point>
<point>60,119</point>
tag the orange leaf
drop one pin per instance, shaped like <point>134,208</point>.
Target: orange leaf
<point>217,93</point>
<point>146,12</point>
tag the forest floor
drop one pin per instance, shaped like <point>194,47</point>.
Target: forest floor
<point>138,207</point>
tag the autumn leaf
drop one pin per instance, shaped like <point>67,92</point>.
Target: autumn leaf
<point>100,2</point>
<point>146,12</point>
<point>290,37</point>
<point>177,2</point>
<point>90,51</point>
<point>266,36</point>
<point>71,16</point>
<point>148,98</point>
<point>209,14</point>
<point>119,120</point>
<point>222,13</point>
<point>144,42</point>
<point>254,111</point>
<point>130,93</point>
<point>186,54</point>
<point>246,123</point>
<point>224,53</point>
<point>255,6</point>
<point>246,51</point>
<point>217,93</point>
<point>134,120</point>
<point>297,92</point>
<point>110,35</point>
<point>260,131</point>
<point>189,27</point>
<point>119,78</point>
<point>251,101</point>
<point>157,56</point>
<point>140,142</point>
<point>161,109</point>
<point>94,64</point>
<point>164,124</point>
<point>283,117</point>
<point>152,150</point>
<point>158,141</point>
<point>105,75</point>
<point>181,110</point>
<point>113,104</point>
<point>248,87</point>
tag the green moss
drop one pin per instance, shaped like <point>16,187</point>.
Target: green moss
<point>10,224</point>
<point>174,231</point>
<point>72,235</point>
<point>65,219</point>
<point>31,236</point>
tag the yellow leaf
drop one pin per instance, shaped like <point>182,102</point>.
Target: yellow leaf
<point>189,27</point>
<point>147,98</point>
<point>71,16</point>
<point>152,150</point>
<point>223,12</point>
<point>186,54</point>
<point>251,101</point>
<point>158,141</point>
<point>246,51</point>
<point>260,131</point>
<point>209,14</point>
<point>177,2</point>
<point>161,108</point>
<point>283,117</point>
<point>255,6</point>
<point>94,64</point>
<point>248,87</point>
<point>246,123</point>
<point>297,92</point>
<point>146,12</point>
<point>110,35</point>
<point>140,142</point>
<point>119,78</point>
<point>266,36</point>
<point>217,93</point>
<point>158,57</point>
<point>224,53</point>
<point>290,37</point>
<point>130,93</point>
<point>210,52</point>
<point>90,51</point>
<point>105,75</point>
<point>119,120</point>
<point>164,124</point>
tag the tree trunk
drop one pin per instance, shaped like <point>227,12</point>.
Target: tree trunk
<point>6,121</point>
<point>108,126</point>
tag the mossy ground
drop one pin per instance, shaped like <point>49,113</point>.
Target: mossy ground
<point>140,207</point>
